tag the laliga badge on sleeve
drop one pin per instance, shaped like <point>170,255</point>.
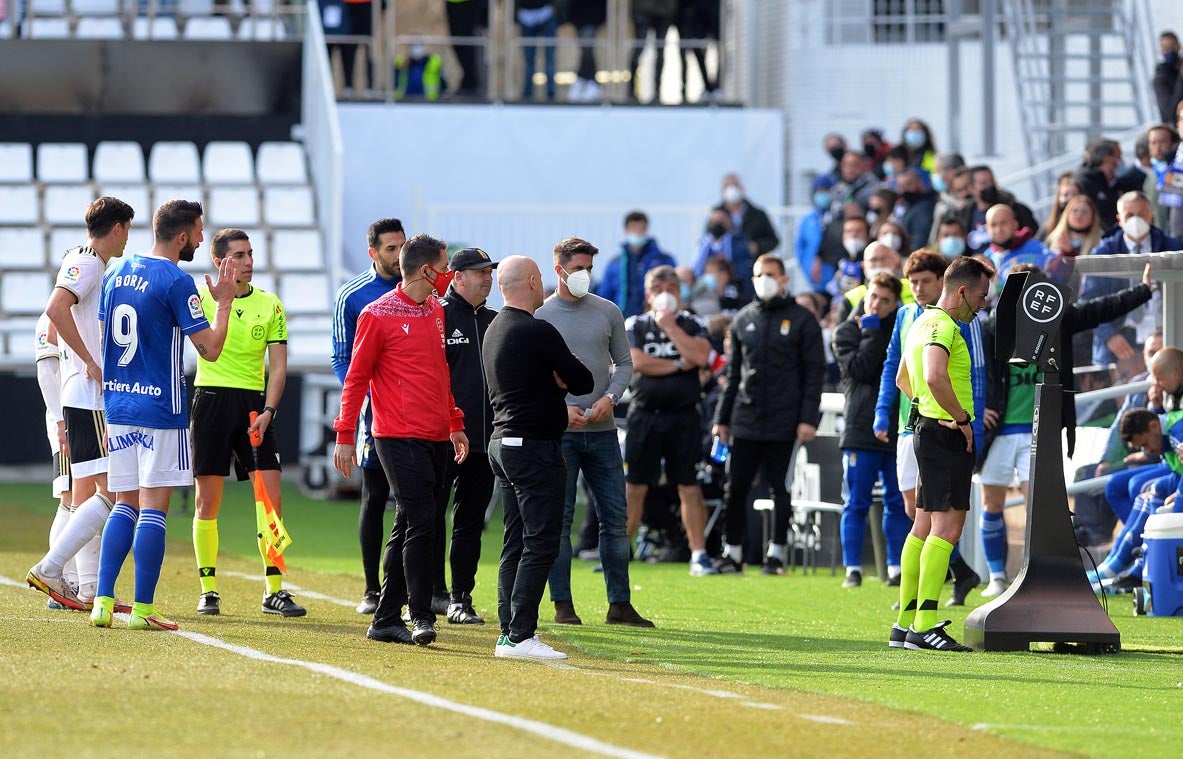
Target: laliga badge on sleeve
<point>784,327</point>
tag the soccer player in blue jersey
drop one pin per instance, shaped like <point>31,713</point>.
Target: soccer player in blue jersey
<point>148,304</point>
<point>385,238</point>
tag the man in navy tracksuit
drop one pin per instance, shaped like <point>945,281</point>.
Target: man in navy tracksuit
<point>466,317</point>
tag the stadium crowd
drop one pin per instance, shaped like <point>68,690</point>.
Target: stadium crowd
<point>714,371</point>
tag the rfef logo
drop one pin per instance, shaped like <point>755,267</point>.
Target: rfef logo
<point>1043,303</point>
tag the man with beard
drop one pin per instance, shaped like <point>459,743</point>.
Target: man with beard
<point>148,303</point>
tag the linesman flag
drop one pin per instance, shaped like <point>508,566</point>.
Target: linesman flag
<point>267,519</point>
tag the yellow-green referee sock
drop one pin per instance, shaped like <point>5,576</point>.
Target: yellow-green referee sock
<point>909,579</point>
<point>934,566</point>
<point>205,546</point>
<point>271,572</point>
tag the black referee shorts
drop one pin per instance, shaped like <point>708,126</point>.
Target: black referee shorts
<point>221,418</point>
<point>675,436</point>
<point>945,468</point>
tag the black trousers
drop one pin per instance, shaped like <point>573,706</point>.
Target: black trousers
<point>463,20</point>
<point>375,490</point>
<point>748,457</point>
<point>533,480</point>
<point>361,24</point>
<point>415,469</point>
<point>474,486</point>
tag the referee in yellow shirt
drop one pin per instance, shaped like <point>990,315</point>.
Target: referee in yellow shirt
<point>226,393</point>
<point>935,373</point>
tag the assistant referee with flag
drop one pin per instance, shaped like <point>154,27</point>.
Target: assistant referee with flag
<point>935,373</point>
<point>225,395</point>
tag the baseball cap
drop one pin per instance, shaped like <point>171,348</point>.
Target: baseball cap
<point>471,258</point>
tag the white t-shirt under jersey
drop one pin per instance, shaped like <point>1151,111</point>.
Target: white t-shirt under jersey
<point>82,274</point>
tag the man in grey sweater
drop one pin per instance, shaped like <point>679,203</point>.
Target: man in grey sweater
<point>593,328</point>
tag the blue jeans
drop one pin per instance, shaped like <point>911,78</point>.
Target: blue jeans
<point>547,29</point>
<point>863,469</point>
<point>597,454</point>
<point>1126,485</point>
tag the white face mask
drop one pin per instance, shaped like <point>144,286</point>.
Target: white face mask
<point>766,287</point>
<point>854,246</point>
<point>1136,228</point>
<point>892,240</point>
<point>578,283</point>
<point>665,302</point>
<point>732,194</point>
<point>871,272</point>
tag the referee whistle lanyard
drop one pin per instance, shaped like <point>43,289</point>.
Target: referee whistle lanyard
<point>267,519</point>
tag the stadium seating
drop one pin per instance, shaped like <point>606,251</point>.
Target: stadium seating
<point>18,205</point>
<point>16,162</point>
<point>62,162</point>
<point>25,292</point>
<point>212,28</point>
<point>228,163</point>
<point>45,189</point>
<point>136,196</point>
<point>46,28</point>
<point>119,162</point>
<point>159,28</point>
<point>234,206</point>
<point>22,248</point>
<point>90,7</point>
<point>261,29</point>
<point>281,163</point>
<point>66,204</point>
<point>99,28</point>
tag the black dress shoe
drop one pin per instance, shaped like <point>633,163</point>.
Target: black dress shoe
<point>424,632</point>
<point>391,634</point>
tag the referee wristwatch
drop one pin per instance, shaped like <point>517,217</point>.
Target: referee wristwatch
<point>966,421</point>
<point>274,413</point>
<point>612,398</point>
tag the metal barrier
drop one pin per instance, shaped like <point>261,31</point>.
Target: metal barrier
<point>321,133</point>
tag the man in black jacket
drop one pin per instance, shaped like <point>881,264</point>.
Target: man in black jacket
<point>465,320</point>
<point>776,369</point>
<point>529,370</point>
<point>1168,82</point>
<point>749,220</point>
<point>986,194</point>
<point>860,348</point>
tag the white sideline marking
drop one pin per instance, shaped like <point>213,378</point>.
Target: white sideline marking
<point>721,694</point>
<point>12,583</point>
<point>296,588</point>
<point>988,726</point>
<point>541,729</point>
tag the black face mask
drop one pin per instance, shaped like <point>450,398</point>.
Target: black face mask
<point>869,149</point>
<point>911,197</point>
<point>837,152</point>
<point>989,195</point>
<point>716,230</point>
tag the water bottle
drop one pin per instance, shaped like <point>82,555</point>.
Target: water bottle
<point>720,450</point>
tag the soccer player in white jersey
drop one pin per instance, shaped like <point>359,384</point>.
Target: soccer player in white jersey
<point>148,306</point>
<point>47,357</point>
<point>73,309</point>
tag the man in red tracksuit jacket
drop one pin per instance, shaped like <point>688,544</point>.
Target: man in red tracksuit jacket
<point>398,357</point>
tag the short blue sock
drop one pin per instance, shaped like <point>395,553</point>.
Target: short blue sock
<point>116,542</point>
<point>148,552</point>
<point>994,546</point>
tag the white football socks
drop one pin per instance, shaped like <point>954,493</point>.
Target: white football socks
<point>85,524</point>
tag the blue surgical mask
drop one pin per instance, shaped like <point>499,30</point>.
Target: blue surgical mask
<point>684,291</point>
<point>938,183</point>
<point>952,247</point>
<point>709,281</point>
<point>822,199</point>
<point>636,241</point>
<point>914,138</point>
<point>888,169</point>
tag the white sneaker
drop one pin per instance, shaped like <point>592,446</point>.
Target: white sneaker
<point>575,93</point>
<point>995,588</point>
<point>531,648</point>
<point>592,92</point>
